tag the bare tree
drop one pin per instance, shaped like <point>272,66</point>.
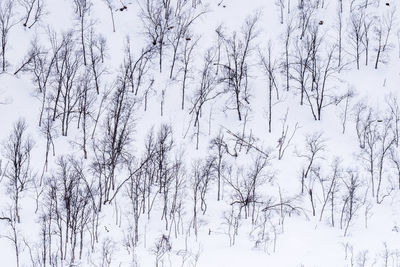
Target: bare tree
<point>97,46</point>
<point>186,60</point>
<point>368,22</point>
<point>111,149</point>
<point>363,116</point>
<point>306,13</point>
<point>322,67</point>
<point>351,200</point>
<point>164,166</point>
<point>330,186</point>
<point>71,209</point>
<point>287,38</point>
<point>395,159</point>
<point>86,102</point>
<point>218,148</point>
<point>7,22</point>
<point>382,31</point>
<point>111,7</point>
<point>386,141</point>
<point>162,247</point>
<point>244,186</point>
<point>349,95</point>
<point>136,188</point>
<point>82,10</point>
<point>239,49</point>
<point>157,20</point>
<point>340,35</point>
<point>376,137</point>
<point>136,68</point>
<point>285,139</point>
<point>205,92</point>
<point>64,95</point>
<point>184,17</point>
<point>202,175</point>
<point>370,151</point>
<point>269,66</point>
<point>17,150</point>
<point>40,63</point>
<point>48,130</point>
<point>34,10</point>
<point>315,145</point>
<point>394,110</point>
<point>14,236</point>
<point>356,34</point>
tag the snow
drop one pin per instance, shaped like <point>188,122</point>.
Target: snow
<point>302,239</point>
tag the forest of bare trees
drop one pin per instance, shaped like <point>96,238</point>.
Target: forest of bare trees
<point>156,135</point>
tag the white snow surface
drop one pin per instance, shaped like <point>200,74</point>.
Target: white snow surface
<point>302,239</point>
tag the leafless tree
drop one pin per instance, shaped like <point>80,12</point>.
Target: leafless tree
<point>186,61</point>
<point>205,92</point>
<point>315,146</point>
<point>287,40</point>
<point>162,247</point>
<point>17,150</point>
<point>157,20</point>
<point>394,109</point>
<point>136,188</point>
<point>351,200</point>
<point>7,22</point>
<point>244,186</point>
<point>107,252</point>
<point>82,10</point>
<point>281,4</point>
<point>386,141</point>
<point>97,46</point>
<point>395,159</point>
<point>301,61</point>
<point>34,9</point>
<point>40,63</point>
<point>322,67</point>
<point>306,13</point>
<point>285,139</point>
<point>340,35</point>
<point>356,34</point>
<point>330,186</point>
<point>14,236</point>
<point>164,166</point>
<point>382,30</point>
<point>247,143</point>
<point>111,7</point>
<point>140,68</point>
<point>368,22</point>
<point>269,66</point>
<point>48,130</point>
<point>347,103</point>
<point>71,208</point>
<point>184,17</point>
<point>178,195</point>
<point>363,116</point>
<point>236,69</point>
<point>64,95</point>
<point>370,152</point>
<point>376,139</point>
<point>218,148</point>
<point>111,149</point>
<point>398,41</point>
<point>86,102</point>
<point>202,174</point>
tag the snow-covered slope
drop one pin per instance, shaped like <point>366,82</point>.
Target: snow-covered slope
<point>199,133</point>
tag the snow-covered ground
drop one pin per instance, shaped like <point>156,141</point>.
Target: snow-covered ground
<point>143,200</point>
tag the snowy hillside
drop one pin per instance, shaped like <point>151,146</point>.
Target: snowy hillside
<point>207,133</point>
